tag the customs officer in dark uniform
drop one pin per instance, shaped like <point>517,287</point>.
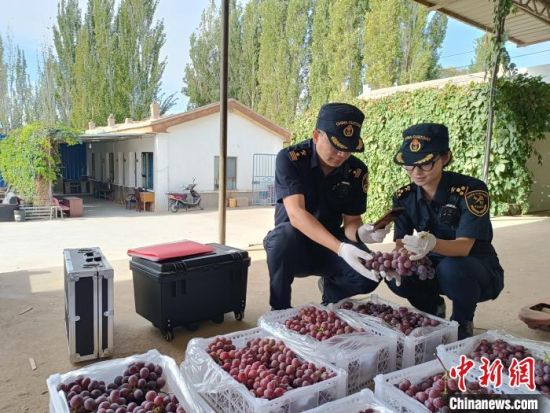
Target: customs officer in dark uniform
<point>450,213</point>
<point>321,192</point>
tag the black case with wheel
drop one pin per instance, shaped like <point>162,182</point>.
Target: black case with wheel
<point>181,292</point>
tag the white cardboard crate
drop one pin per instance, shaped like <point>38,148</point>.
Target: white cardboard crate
<point>362,355</point>
<point>353,404</point>
<point>399,401</point>
<point>411,350</point>
<point>227,395</point>
<point>108,370</point>
<point>450,355</point>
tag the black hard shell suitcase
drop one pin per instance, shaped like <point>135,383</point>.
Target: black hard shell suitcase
<point>88,283</point>
<point>181,292</point>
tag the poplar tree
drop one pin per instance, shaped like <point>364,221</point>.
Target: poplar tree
<point>318,89</point>
<point>138,68</point>
<point>250,47</point>
<point>45,104</point>
<point>401,43</point>
<point>65,34</point>
<point>201,76</point>
<point>271,61</point>
<point>4,96</point>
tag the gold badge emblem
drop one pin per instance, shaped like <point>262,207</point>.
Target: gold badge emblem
<point>477,202</point>
<point>365,183</point>
<point>415,145</point>
<point>348,131</point>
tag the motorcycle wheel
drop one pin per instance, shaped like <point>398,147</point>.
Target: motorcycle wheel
<point>173,207</point>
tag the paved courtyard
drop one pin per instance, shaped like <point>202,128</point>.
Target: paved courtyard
<point>31,284</point>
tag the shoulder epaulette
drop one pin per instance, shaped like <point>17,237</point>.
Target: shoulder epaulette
<point>459,189</point>
<point>403,191</point>
<point>296,154</point>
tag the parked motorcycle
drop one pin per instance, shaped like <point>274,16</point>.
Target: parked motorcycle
<point>188,198</point>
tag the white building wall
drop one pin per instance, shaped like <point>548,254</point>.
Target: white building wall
<point>193,146</point>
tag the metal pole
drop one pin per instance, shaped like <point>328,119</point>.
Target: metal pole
<point>223,122</point>
<point>499,33</point>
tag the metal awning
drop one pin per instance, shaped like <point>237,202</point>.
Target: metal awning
<point>527,24</point>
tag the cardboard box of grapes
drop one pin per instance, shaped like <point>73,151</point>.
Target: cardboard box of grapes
<point>335,337</point>
<point>135,384</point>
<point>424,388</point>
<point>499,344</point>
<point>361,402</point>
<point>254,372</point>
<point>417,333</point>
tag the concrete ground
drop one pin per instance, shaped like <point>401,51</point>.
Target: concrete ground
<point>31,284</point>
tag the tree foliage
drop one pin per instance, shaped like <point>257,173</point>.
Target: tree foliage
<point>401,43</point>
<point>29,155</point>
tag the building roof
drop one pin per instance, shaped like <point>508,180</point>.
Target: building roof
<point>529,22</point>
<point>153,125</point>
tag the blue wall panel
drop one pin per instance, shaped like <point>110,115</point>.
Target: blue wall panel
<point>73,161</point>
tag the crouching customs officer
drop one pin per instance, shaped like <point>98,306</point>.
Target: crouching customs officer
<point>450,212</point>
<point>321,192</point>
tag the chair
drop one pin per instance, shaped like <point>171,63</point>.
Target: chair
<point>59,207</point>
<point>131,199</point>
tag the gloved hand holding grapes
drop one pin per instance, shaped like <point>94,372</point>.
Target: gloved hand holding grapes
<point>419,245</point>
<point>368,235</point>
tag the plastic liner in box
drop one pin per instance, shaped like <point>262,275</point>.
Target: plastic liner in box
<point>362,355</point>
<point>227,395</point>
<point>353,404</point>
<point>450,355</point>
<point>386,392</point>
<point>108,370</point>
<point>416,348</point>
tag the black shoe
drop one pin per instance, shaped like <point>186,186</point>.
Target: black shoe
<point>465,330</point>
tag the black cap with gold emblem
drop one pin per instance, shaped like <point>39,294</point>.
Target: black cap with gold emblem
<point>342,124</point>
<point>422,143</point>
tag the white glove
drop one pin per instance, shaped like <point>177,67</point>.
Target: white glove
<point>392,275</point>
<point>368,235</point>
<point>353,256</point>
<point>419,245</point>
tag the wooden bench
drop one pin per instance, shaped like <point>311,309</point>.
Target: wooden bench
<point>39,212</point>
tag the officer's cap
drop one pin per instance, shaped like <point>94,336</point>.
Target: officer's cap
<point>342,124</point>
<point>422,143</point>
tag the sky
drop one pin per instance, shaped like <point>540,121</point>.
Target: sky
<point>29,23</point>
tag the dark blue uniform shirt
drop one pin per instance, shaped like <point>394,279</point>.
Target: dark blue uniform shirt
<point>468,194</point>
<point>343,191</point>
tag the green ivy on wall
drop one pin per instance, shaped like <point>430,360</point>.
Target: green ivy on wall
<point>30,154</point>
<point>522,117</point>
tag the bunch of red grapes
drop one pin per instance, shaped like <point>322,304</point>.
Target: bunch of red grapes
<point>434,392</point>
<point>399,261</point>
<point>266,366</point>
<point>138,390</point>
<point>400,319</point>
<point>319,324</point>
<point>506,352</point>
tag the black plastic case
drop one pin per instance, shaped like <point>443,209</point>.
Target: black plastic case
<point>183,291</point>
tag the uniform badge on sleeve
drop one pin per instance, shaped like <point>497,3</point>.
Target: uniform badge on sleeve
<point>477,202</point>
<point>365,183</point>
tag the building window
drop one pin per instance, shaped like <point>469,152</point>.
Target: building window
<point>111,167</point>
<point>231,177</point>
<point>147,170</point>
